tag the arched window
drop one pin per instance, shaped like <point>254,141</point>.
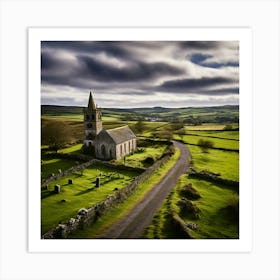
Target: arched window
<point>87,117</point>
<point>103,151</point>
<point>129,147</point>
<point>92,117</point>
<point>121,149</point>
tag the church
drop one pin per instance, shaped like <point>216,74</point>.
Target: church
<point>105,144</point>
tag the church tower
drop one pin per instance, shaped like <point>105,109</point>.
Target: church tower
<point>92,122</point>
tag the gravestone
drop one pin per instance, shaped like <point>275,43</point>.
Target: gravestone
<point>57,188</point>
<point>97,182</point>
<point>70,181</point>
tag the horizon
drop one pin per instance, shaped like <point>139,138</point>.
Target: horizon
<point>152,107</point>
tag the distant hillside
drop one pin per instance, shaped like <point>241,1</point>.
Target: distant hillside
<point>190,115</point>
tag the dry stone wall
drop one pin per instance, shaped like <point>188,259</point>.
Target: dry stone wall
<point>84,165</point>
<point>210,176</point>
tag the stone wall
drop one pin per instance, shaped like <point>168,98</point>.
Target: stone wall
<point>86,217</point>
<point>180,226</point>
<point>213,148</point>
<point>210,176</point>
<point>84,165</point>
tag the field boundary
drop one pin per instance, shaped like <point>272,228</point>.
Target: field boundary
<point>84,165</point>
<point>212,177</point>
<point>213,148</point>
<point>207,136</point>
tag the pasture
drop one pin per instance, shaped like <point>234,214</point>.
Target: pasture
<point>218,213</point>
<point>218,204</point>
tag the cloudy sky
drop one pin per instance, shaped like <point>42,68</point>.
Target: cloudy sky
<point>140,73</point>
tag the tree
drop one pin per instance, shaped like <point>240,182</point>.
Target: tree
<point>56,134</point>
<point>166,134</point>
<point>228,127</point>
<point>181,132</point>
<point>205,145</point>
<point>139,126</point>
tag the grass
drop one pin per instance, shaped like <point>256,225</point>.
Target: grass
<point>218,143</point>
<point>50,166</point>
<point>81,194</point>
<point>74,149</point>
<point>223,162</point>
<point>209,126</point>
<point>213,221</point>
<point>218,204</point>
<point>216,219</point>
<point>104,222</point>
<point>231,135</point>
<point>138,158</point>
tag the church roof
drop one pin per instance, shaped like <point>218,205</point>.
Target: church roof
<point>91,104</point>
<point>121,134</point>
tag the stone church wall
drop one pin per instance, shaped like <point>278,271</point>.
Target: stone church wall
<point>125,148</point>
<point>86,217</point>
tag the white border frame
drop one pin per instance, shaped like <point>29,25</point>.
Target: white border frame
<point>263,17</point>
<point>243,35</point>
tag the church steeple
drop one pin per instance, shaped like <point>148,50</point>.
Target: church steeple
<point>92,122</point>
<point>91,104</point>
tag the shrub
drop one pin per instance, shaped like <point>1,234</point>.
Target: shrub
<point>231,210</point>
<point>88,150</point>
<point>205,145</point>
<point>189,192</point>
<point>188,208</point>
<point>149,160</point>
<point>228,127</point>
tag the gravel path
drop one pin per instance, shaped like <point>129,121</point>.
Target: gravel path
<point>133,224</point>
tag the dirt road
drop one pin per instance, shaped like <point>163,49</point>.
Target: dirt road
<point>133,224</point>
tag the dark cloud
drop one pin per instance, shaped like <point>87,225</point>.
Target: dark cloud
<point>48,61</point>
<point>223,91</point>
<point>201,85</point>
<point>135,72</point>
<point>89,47</point>
<point>85,69</point>
<point>201,45</point>
<point>201,59</point>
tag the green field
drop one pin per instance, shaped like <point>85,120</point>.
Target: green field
<point>225,163</point>
<point>218,205</point>
<point>138,158</point>
<point>215,221</point>
<point>231,135</point>
<point>80,194</point>
<point>218,142</point>
<point>216,217</point>
<point>52,165</point>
